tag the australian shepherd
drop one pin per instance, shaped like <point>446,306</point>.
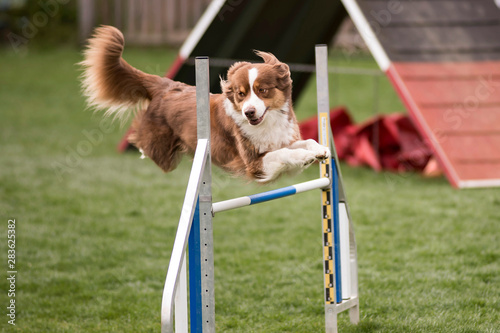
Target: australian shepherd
<point>254,132</point>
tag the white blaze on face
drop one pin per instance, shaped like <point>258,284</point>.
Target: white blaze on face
<point>254,101</point>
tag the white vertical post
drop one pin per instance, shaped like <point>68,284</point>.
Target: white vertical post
<point>345,260</point>
<point>205,197</point>
<point>353,254</point>
<point>181,304</point>
<point>181,237</point>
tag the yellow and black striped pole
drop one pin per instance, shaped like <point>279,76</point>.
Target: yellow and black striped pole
<point>327,217</point>
<point>328,210</point>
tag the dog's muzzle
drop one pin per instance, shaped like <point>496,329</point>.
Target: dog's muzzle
<point>252,119</point>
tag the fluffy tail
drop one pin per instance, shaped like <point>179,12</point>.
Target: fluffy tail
<point>108,81</point>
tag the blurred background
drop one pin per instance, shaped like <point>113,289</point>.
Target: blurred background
<point>145,23</point>
<point>95,227</point>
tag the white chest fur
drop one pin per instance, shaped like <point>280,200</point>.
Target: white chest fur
<point>275,132</point>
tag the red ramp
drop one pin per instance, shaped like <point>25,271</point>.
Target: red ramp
<point>443,58</point>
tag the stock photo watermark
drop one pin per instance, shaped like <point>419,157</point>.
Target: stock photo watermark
<point>75,154</point>
<point>456,115</point>
<point>11,271</point>
<point>384,17</point>
<point>31,26</point>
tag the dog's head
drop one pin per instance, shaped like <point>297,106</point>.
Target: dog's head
<point>256,89</point>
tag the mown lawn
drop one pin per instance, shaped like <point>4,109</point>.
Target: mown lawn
<point>94,228</point>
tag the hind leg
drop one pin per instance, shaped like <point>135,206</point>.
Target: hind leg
<point>155,139</point>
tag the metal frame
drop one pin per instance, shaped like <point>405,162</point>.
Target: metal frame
<point>331,199</point>
<point>196,211</point>
<point>195,223</point>
<point>205,200</point>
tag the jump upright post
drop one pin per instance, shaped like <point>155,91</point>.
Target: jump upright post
<point>195,225</point>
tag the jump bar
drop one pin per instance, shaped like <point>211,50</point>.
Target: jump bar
<point>270,195</point>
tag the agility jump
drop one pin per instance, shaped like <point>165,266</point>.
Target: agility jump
<point>195,225</point>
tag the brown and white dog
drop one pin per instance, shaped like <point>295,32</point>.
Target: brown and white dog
<point>254,132</point>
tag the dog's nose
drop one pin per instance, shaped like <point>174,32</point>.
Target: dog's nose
<point>250,113</point>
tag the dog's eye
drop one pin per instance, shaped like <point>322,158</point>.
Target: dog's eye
<point>262,90</point>
<point>241,94</point>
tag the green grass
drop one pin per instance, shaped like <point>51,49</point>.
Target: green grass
<point>95,228</point>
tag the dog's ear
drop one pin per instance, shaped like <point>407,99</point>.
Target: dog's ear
<point>268,58</point>
<point>227,88</point>
<point>226,85</point>
<point>284,79</point>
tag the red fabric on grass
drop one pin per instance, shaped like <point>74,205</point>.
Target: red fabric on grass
<point>400,146</point>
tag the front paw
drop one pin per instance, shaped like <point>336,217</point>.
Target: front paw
<point>322,153</point>
<point>310,160</point>
<point>317,155</point>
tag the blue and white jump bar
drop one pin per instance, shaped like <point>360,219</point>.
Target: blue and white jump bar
<point>270,195</point>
